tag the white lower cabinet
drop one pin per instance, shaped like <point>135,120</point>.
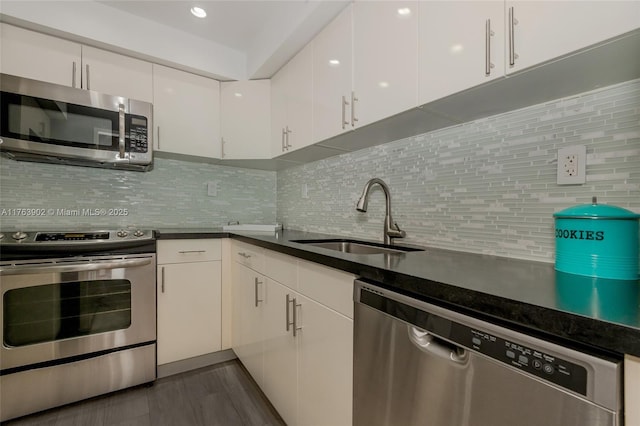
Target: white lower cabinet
<point>306,376</point>
<point>280,352</point>
<point>189,299</point>
<point>631,390</point>
<point>247,319</point>
<point>325,365</point>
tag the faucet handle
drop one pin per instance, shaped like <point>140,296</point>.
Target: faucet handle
<point>396,232</point>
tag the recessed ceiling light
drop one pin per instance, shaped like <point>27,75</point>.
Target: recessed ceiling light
<point>198,12</point>
<point>456,48</point>
<point>383,84</point>
<point>334,62</point>
<point>404,11</point>
<point>238,95</point>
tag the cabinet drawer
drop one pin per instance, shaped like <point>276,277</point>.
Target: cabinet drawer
<point>282,268</point>
<point>328,286</point>
<point>248,255</point>
<point>181,251</point>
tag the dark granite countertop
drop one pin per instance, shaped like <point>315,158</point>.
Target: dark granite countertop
<point>588,313</point>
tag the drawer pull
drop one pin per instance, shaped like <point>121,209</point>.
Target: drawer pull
<point>191,251</point>
<point>243,254</point>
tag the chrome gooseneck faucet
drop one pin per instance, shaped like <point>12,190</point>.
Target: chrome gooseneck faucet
<point>391,229</point>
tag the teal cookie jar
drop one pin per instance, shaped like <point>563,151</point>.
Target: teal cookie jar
<point>597,240</point>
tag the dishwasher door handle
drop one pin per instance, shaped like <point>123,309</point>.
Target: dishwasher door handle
<point>429,343</point>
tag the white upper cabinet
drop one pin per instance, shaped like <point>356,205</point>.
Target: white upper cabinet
<point>385,58</point>
<point>540,31</point>
<point>291,104</point>
<point>186,113</point>
<point>461,45</point>
<point>332,78</point>
<point>119,75</point>
<point>245,119</point>
<point>40,57</point>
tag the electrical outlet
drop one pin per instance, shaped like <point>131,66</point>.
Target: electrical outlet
<point>572,165</point>
<point>212,189</point>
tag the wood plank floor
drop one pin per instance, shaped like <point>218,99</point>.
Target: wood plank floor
<point>220,395</point>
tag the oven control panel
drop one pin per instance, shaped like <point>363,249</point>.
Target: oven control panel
<point>75,237</point>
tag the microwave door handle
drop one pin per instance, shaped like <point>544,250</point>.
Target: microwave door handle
<point>121,136</point>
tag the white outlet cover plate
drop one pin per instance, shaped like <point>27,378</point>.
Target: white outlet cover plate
<point>580,153</point>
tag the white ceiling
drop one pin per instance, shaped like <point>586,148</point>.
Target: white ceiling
<point>234,24</point>
<point>238,39</point>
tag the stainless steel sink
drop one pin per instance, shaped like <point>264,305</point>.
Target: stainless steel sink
<point>356,247</point>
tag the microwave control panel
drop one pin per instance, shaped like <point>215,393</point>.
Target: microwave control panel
<point>138,134</point>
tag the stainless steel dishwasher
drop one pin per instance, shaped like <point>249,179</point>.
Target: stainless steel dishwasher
<point>419,364</point>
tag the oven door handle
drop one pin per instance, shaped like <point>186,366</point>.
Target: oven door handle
<point>74,267</point>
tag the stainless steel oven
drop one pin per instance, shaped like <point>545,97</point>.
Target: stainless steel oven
<point>78,316</point>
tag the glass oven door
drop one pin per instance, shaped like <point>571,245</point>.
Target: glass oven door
<point>62,308</point>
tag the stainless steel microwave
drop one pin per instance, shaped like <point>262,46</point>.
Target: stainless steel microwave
<point>50,123</point>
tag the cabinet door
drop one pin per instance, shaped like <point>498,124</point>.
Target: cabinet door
<point>385,58</point>
<point>280,353</point>
<point>248,318</point>
<point>332,78</point>
<point>325,365</point>
<point>114,74</point>
<point>40,57</point>
<point>300,99</point>
<point>186,112</point>
<point>631,390</point>
<point>459,42</point>
<point>278,113</point>
<point>546,30</point>
<point>189,303</point>
<point>292,107</point>
<point>245,119</point>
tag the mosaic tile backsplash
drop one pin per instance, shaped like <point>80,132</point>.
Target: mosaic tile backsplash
<point>487,186</point>
<point>173,194</point>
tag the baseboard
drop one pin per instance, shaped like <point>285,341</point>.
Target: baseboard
<point>189,364</point>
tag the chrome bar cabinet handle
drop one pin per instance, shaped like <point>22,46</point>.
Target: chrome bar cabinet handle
<point>288,313</point>
<point>158,137</point>
<point>73,75</point>
<point>256,283</point>
<point>162,279</point>
<point>222,142</point>
<point>487,50</point>
<point>243,254</point>
<point>284,147</point>
<point>288,131</point>
<point>191,251</point>
<point>512,48</point>
<point>345,103</point>
<point>296,305</point>
<point>88,79</point>
<point>354,99</point>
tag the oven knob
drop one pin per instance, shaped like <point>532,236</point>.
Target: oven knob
<point>122,234</point>
<point>1,237</point>
<point>18,236</point>
<point>138,233</point>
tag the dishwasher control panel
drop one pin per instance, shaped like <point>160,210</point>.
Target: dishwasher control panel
<point>544,365</point>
